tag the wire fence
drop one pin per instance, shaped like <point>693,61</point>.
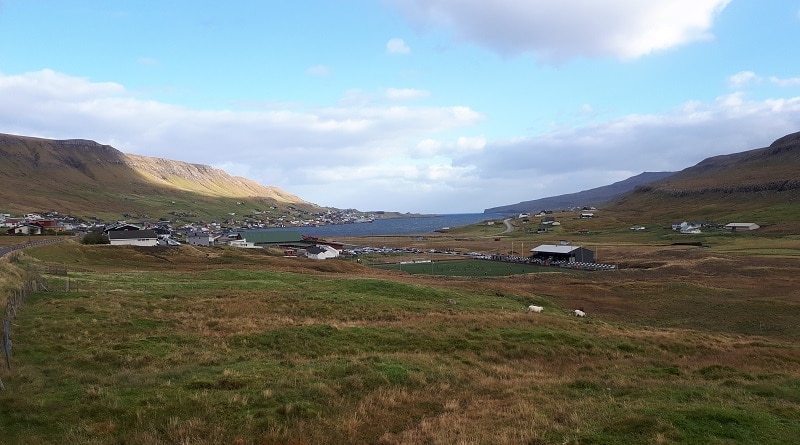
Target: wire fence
<point>16,298</point>
<point>14,302</point>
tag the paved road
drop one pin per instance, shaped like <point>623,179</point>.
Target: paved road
<point>509,227</point>
<point>5,250</point>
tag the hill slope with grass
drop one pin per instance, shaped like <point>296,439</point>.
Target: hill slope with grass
<point>760,185</point>
<point>592,197</point>
<point>83,177</point>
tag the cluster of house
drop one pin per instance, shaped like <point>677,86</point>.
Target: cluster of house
<point>162,234</point>
<point>548,220</point>
<point>258,219</point>
<point>696,227</point>
<point>37,224</point>
<point>291,242</point>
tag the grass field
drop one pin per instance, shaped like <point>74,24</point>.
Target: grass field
<point>205,346</point>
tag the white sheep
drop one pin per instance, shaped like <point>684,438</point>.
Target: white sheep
<point>536,309</point>
<point>579,313</point>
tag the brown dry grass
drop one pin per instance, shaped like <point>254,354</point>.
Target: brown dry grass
<point>680,327</point>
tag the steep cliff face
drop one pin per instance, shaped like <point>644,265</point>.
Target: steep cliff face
<point>83,176</point>
<point>203,179</point>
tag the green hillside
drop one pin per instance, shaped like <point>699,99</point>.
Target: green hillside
<point>761,185</point>
<point>84,178</point>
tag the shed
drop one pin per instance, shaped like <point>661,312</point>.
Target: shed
<point>563,253</point>
<point>734,227</point>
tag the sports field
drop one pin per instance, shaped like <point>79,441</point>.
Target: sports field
<point>470,268</point>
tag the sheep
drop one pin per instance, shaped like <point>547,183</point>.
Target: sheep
<point>536,309</point>
<point>579,313</point>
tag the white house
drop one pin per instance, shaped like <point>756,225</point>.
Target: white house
<point>200,238</point>
<point>321,252</point>
<point>145,238</point>
<point>26,229</point>
<point>734,227</point>
<point>243,244</point>
<point>687,227</point>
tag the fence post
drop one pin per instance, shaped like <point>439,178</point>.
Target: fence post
<point>7,341</point>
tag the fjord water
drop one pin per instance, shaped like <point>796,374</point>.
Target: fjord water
<point>395,226</point>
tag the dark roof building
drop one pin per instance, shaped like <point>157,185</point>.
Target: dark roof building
<point>133,237</point>
<point>563,253</point>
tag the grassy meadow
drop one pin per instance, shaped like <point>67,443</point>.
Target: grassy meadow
<point>683,345</point>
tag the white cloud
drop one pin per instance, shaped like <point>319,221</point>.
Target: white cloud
<point>785,83</point>
<point>397,46</point>
<point>319,71</point>
<point>147,61</point>
<point>637,143</point>
<point>555,31</point>
<point>743,79</point>
<point>403,94</point>
<point>432,148</point>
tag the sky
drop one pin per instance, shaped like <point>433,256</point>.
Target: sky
<point>421,106</point>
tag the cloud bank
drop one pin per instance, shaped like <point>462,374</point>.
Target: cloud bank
<point>384,156</point>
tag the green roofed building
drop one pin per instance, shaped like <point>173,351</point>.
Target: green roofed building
<point>274,238</point>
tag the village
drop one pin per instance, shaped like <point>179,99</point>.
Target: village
<point>55,223</point>
<point>292,243</point>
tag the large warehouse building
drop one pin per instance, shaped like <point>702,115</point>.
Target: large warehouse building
<point>567,253</point>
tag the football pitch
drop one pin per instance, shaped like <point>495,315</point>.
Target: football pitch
<point>470,268</point>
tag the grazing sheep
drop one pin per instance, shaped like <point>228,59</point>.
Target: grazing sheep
<point>579,313</point>
<point>536,309</point>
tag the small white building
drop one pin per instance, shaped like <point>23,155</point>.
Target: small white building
<point>321,252</point>
<point>244,244</point>
<point>26,229</point>
<point>734,227</point>
<point>687,227</point>
<point>145,238</point>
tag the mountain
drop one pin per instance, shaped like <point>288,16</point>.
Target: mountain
<point>760,185</point>
<point>593,197</point>
<point>82,178</point>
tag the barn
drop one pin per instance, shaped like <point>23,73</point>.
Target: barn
<point>570,254</point>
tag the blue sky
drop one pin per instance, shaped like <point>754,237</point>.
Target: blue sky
<point>437,106</point>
